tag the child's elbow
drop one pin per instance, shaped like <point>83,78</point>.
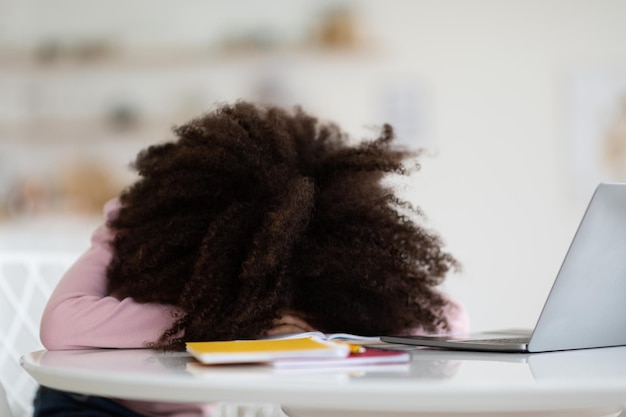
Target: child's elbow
<point>51,335</point>
<point>49,340</point>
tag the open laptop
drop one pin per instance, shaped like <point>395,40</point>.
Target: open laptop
<point>586,307</point>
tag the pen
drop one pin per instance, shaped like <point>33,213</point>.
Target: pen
<point>353,348</point>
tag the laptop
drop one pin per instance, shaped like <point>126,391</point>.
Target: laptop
<point>586,307</point>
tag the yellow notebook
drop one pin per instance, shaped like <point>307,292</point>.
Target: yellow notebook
<point>265,350</point>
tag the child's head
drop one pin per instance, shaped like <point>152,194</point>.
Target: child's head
<point>255,212</point>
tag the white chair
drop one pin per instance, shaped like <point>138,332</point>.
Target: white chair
<point>5,411</point>
<point>26,281</point>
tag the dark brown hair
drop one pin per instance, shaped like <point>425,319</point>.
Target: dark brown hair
<point>254,212</point>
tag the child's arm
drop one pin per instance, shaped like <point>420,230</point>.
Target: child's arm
<point>289,323</point>
<point>458,320</point>
<point>80,313</point>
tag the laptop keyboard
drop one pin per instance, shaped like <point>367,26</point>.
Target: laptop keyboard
<point>500,340</point>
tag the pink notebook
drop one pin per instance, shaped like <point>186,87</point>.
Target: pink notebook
<point>368,357</point>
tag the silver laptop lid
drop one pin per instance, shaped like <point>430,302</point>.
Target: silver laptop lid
<point>587,304</point>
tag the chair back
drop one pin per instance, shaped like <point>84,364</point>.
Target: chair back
<point>26,281</point>
<point>5,411</point>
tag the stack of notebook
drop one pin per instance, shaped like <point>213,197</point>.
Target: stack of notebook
<point>293,352</point>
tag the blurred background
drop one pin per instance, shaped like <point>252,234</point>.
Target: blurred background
<point>520,106</point>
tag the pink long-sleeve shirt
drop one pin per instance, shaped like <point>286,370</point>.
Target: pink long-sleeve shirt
<point>99,320</point>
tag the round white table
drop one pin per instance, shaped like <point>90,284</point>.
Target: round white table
<point>588,382</point>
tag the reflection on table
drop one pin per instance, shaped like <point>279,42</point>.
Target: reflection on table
<point>573,383</point>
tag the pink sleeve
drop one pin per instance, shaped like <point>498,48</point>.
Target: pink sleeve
<point>458,320</point>
<point>80,313</point>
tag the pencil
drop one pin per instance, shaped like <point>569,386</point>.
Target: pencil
<point>353,348</point>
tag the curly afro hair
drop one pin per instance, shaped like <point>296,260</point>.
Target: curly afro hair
<point>254,212</point>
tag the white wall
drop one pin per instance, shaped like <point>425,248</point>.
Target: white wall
<point>497,78</point>
<point>500,187</point>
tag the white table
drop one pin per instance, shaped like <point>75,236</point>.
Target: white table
<point>575,383</point>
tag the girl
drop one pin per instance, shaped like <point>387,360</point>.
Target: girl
<point>255,221</point>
